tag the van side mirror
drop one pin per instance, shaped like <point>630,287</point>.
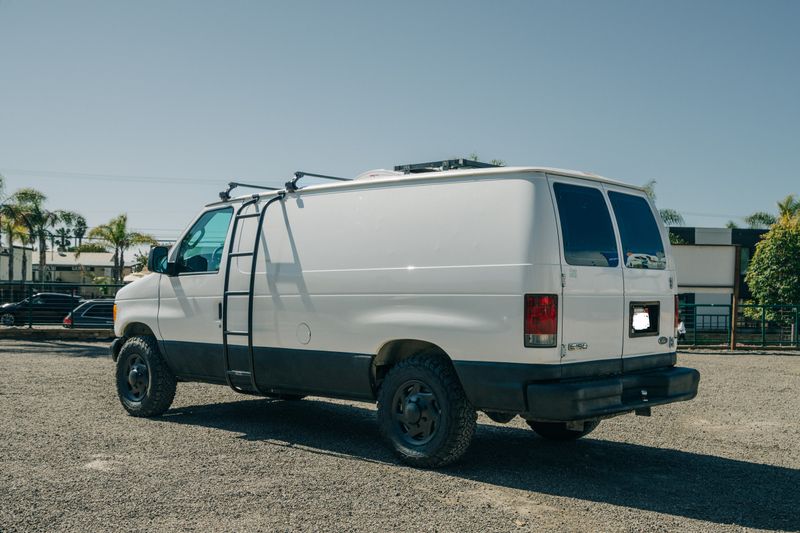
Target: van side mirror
<point>157,260</point>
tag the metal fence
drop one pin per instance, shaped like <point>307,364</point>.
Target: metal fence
<point>754,326</point>
<point>48,304</point>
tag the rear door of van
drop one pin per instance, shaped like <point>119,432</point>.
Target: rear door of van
<point>592,292</point>
<point>648,278</point>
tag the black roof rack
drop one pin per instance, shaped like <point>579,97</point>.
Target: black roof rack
<point>438,166</point>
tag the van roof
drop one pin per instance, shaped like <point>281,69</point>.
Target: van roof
<point>444,175</point>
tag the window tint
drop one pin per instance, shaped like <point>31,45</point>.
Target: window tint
<point>201,249</point>
<point>99,311</point>
<point>585,226</point>
<point>641,241</point>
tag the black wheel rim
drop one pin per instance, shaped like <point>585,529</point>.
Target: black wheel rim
<point>416,412</point>
<point>137,378</point>
<point>7,319</point>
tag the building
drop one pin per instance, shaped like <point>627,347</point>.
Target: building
<point>706,263</point>
<point>89,269</point>
<point>18,253</point>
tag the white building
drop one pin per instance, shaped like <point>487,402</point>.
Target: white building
<point>18,253</point>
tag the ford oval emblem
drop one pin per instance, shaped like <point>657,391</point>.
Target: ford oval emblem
<point>662,340</point>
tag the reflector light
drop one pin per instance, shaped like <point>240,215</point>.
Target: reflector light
<point>677,313</point>
<point>541,320</point>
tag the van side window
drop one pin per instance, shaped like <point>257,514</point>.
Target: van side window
<point>641,241</point>
<point>201,249</point>
<point>586,226</point>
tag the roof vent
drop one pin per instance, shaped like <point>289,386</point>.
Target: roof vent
<point>377,173</point>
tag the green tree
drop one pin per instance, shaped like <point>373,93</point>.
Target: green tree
<point>139,261</point>
<point>12,225</point>
<point>787,208</point>
<point>79,228</point>
<point>759,219</point>
<point>115,234</point>
<point>88,247</point>
<point>670,217</point>
<point>773,274</point>
<point>38,220</point>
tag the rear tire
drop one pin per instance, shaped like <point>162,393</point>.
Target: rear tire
<point>423,412</point>
<point>145,384</point>
<point>558,430</point>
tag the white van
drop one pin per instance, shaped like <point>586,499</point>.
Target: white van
<point>544,293</point>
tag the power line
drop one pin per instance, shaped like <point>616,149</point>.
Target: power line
<point>57,174</point>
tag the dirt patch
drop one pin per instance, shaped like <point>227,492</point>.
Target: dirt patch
<point>72,460</point>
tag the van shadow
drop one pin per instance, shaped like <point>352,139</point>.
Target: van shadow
<point>674,482</point>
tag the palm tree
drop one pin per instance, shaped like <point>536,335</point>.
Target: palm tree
<point>12,225</point>
<point>759,219</point>
<point>671,217</point>
<point>788,208</point>
<point>39,221</point>
<point>115,235</point>
<point>79,229</point>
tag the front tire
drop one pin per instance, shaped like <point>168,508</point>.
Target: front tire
<point>7,319</point>
<point>558,430</point>
<point>423,412</point>
<point>145,384</point>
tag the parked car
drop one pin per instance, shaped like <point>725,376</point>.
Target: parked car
<point>436,294</point>
<point>41,308</point>
<point>91,314</point>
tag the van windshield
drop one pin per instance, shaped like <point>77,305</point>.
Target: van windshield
<point>641,241</point>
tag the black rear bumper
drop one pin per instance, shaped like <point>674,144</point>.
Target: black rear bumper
<point>585,399</point>
<point>577,391</point>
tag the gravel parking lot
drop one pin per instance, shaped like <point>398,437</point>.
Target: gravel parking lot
<point>71,459</point>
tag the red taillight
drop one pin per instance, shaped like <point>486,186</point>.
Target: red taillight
<point>541,320</point>
<point>68,320</point>
<point>677,313</point>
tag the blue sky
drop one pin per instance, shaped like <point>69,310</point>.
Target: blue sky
<point>151,107</point>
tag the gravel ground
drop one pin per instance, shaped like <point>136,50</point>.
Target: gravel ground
<point>71,459</point>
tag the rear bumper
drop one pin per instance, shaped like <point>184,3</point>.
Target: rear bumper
<point>585,399</point>
<point>577,391</point>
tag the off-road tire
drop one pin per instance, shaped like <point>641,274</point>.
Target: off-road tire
<point>558,430</point>
<point>456,417</point>
<point>161,381</point>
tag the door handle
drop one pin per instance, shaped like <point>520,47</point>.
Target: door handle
<point>219,310</point>
<point>577,346</point>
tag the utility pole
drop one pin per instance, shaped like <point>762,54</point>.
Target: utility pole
<point>737,274</point>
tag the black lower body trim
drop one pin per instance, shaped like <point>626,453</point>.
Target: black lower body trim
<point>278,370</point>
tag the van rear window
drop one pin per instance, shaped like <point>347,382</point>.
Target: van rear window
<point>641,241</point>
<point>585,226</point>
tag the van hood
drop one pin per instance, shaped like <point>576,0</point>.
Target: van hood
<point>146,287</point>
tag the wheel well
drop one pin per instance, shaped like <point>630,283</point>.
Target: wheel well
<point>137,328</point>
<point>395,351</point>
